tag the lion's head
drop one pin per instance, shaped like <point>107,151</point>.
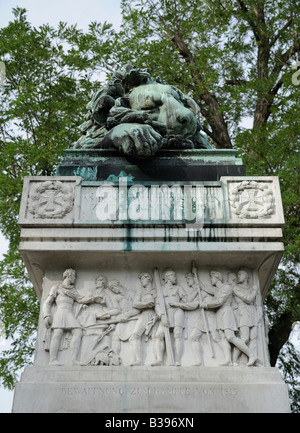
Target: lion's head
<point>139,115</point>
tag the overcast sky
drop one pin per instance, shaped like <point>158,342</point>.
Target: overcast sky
<point>80,12</point>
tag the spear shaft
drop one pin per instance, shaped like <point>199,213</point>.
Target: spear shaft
<point>162,306</point>
<point>195,273</point>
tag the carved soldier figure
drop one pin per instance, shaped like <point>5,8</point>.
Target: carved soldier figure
<point>98,309</point>
<point>144,302</point>
<point>64,295</point>
<point>120,307</point>
<point>199,329</point>
<point>245,296</point>
<point>101,283</point>
<point>108,297</point>
<point>231,280</point>
<point>225,319</point>
<point>173,295</point>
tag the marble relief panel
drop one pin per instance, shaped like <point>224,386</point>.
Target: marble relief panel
<point>159,316</point>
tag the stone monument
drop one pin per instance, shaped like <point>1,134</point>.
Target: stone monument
<point>151,254</point>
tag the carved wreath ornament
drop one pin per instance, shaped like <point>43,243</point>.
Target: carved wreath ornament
<point>251,199</point>
<point>51,199</point>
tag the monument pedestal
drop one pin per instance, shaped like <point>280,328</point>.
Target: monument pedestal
<point>166,166</point>
<point>151,390</point>
<point>139,246</point>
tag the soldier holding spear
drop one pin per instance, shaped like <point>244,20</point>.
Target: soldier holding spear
<point>225,319</point>
<point>171,315</point>
<point>203,315</point>
<point>206,323</point>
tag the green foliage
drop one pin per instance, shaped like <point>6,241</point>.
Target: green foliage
<point>289,364</point>
<point>283,306</point>
<point>50,77</point>
<point>19,313</point>
<point>233,49</point>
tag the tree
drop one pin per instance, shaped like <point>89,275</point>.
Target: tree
<point>221,51</point>
<point>50,76</point>
<point>289,363</point>
<point>236,59</point>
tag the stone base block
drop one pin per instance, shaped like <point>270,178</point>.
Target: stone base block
<point>103,389</point>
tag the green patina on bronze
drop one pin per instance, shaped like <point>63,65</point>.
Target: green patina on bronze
<point>144,129</point>
<point>139,115</point>
<point>173,165</point>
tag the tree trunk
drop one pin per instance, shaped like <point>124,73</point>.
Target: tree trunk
<point>279,335</point>
<point>264,101</point>
<point>212,113</point>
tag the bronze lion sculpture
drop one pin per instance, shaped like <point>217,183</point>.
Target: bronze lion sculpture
<point>138,115</point>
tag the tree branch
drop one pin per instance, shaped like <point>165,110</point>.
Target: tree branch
<point>245,10</point>
<point>284,57</point>
<point>276,37</point>
<point>237,82</point>
<point>214,116</point>
<point>160,19</point>
<point>264,103</point>
<point>209,133</point>
<point>182,47</point>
